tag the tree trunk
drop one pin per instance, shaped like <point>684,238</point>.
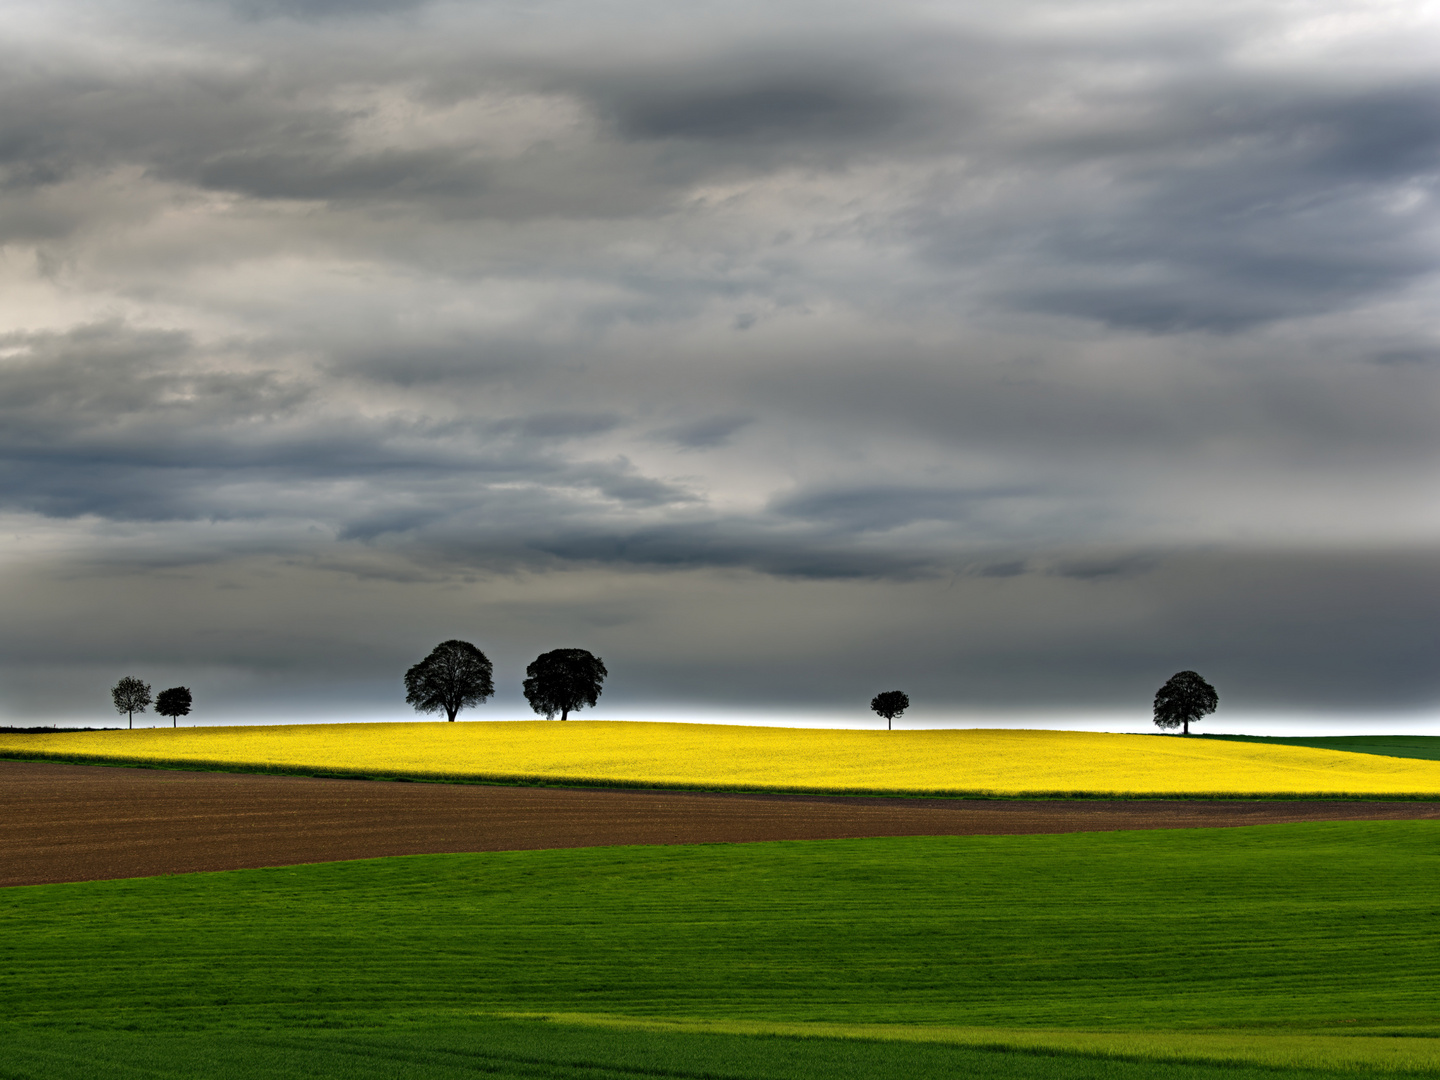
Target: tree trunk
<point>564,715</point>
<point>888,721</point>
<point>132,721</point>
<point>1187,727</point>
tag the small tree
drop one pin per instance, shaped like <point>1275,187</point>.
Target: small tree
<point>890,704</point>
<point>564,679</point>
<point>130,696</point>
<point>1185,697</point>
<point>455,675</point>
<point>173,703</point>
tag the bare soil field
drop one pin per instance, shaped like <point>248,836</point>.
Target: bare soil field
<point>62,822</point>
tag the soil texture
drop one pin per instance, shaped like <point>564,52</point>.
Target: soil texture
<point>61,822</point>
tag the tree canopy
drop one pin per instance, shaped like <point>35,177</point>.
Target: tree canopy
<point>174,703</point>
<point>563,680</point>
<point>890,704</point>
<point>454,676</point>
<point>130,696</point>
<point>1185,697</point>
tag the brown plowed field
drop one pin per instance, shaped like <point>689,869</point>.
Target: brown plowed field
<point>82,822</point>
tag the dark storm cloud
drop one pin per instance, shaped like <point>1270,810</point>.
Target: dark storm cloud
<point>106,396</point>
<point>1004,569</point>
<point>738,545</point>
<point>1224,210</point>
<point>1420,355</point>
<point>124,424</point>
<point>414,176</point>
<point>767,107</point>
<point>874,509</point>
<point>321,9</point>
<point>414,362</point>
<point>708,432</point>
<point>1092,567</point>
<point>263,133</point>
<point>271,132</point>
<point>561,425</point>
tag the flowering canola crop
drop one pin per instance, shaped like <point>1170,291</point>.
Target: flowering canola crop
<point>987,762</point>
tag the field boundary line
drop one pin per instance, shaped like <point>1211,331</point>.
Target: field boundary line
<point>1388,1052</point>
<point>585,782</point>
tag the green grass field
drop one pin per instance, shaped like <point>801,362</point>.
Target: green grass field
<point>536,1049</point>
<point>1404,746</point>
<point>1302,950</point>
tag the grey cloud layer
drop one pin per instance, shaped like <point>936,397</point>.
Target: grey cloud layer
<point>428,292</point>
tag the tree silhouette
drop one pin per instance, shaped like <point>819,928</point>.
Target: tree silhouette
<point>890,704</point>
<point>1185,697</point>
<point>456,674</point>
<point>173,703</point>
<point>563,679</point>
<point>130,696</point>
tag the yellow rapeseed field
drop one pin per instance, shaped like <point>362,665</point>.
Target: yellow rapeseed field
<point>990,762</point>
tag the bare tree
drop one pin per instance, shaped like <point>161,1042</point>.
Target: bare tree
<point>130,696</point>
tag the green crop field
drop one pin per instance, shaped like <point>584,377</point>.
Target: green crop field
<point>1405,746</point>
<point>1295,950</point>
<point>506,1049</point>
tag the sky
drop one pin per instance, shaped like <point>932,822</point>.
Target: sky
<point>1014,355</point>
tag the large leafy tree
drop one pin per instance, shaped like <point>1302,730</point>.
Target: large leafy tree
<point>1185,697</point>
<point>890,704</point>
<point>563,680</point>
<point>174,703</point>
<point>130,696</point>
<point>454,676</point>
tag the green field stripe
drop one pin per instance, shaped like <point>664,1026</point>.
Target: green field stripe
<point>1188,929</point>
<point>1418,1052</point>
<point>520,1049</point>
<point>1425,747</point>
<point>1294,952</point>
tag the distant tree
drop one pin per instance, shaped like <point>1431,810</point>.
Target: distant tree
<point>130,696</point>
<point>173,703</point>
<point>1184,698</point>
<point>455,675</point>
<point>562,680</point>
<point>890,704</point>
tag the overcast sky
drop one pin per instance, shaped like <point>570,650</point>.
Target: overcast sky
<point>1017,355</point>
